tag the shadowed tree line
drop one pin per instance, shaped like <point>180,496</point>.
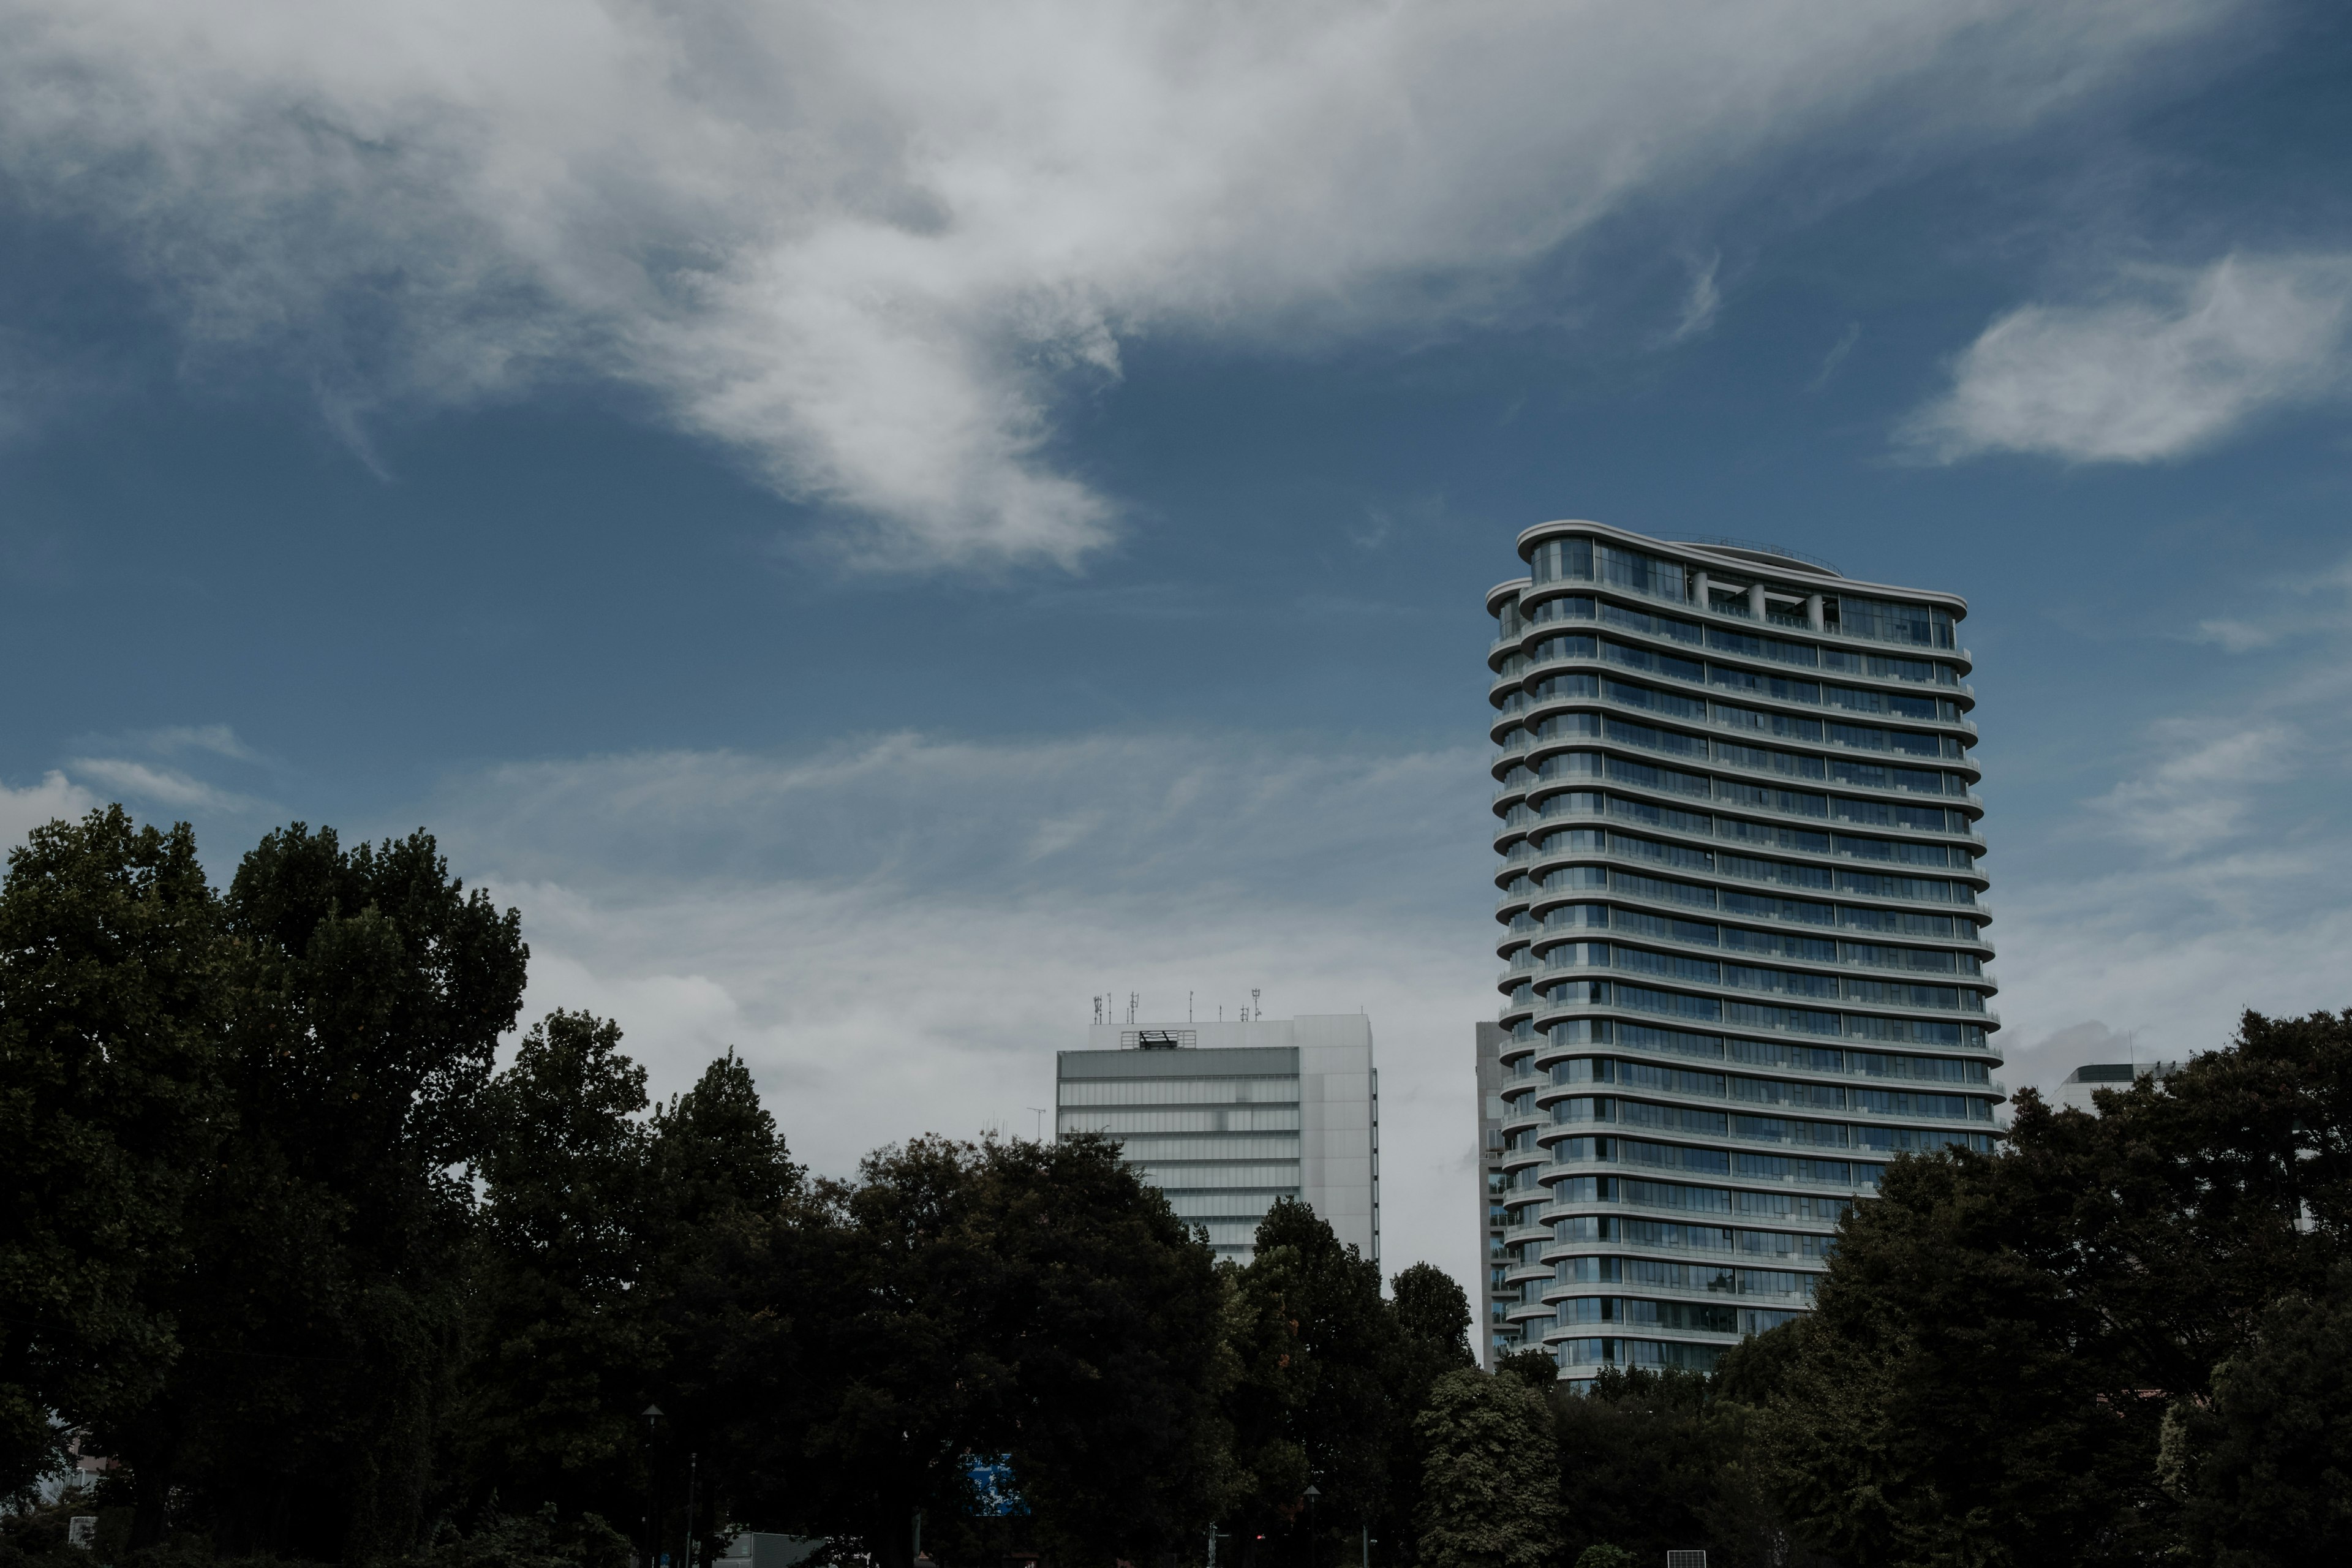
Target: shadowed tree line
<point>283,1239</point>
<point>277,1234</point>
<point>2124,1340</point>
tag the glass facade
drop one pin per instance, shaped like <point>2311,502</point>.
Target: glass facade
<point>1218,1129</point>
<point>1741,918</point>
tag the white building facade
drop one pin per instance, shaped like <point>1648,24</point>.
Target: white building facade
<point>1742,924</point>
<point>1227,1117</point>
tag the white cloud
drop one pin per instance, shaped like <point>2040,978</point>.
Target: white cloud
<point>2208,879</point>
<point>2170,362</point>
<point>2200,789</point>
<point>2290,608</point>
<point>1701,304</point>
<point>217,739</point>
<point>900,932</point>
<point>54,797</point>
<point>163,786</point>
<point>872,248</point>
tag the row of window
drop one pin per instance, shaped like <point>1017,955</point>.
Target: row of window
<point>1773,835</point>
<point>1122,1121</point>
<point>1586,684</point>
<point>1638,1353</point>
<point>1211,1146</point>
<point>1662,1274</point>
<point>1179,1091</point>
<point>1687,1238</point>
<point>1639,1193</point>
<point>1216,1172</point>
<point>1845,770</point>
<point>1691,1317</point>
<point>1758,868</point>
<point>1803,1058</point>
<point>1749,720</point>
<point>1674,1080</point>
<point>1692,856</point>
<point>1748,977</point>
<point>1739,677</point>
<point>1718,1124</point>
<point>1800,912</point>
<point>1252,1203</point>
<point>1740,939</point>
<point>1597,765</point>
<point>1622,1151</point>
<point>1789,803</point>
<point>1853,615</point>
<point>1682,1004</point>
<point>1734,902</point>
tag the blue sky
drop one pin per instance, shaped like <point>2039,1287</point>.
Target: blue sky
<point>873,527</point>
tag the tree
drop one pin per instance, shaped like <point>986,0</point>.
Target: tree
<point>113,1009</point>
<point>732,1284</point>
<point>1322,1355</point>
<point>1032,1301</point>
<point>1434,1311</point>
<point>2265,1471</point>
<point>1533,1366</point>
<point>367,994</point>
<point>1431,1316</point>
<point>1491,1489</point>
<point>2000,1337</point>
<point>1098,1313</point>
<point>564,1339</point>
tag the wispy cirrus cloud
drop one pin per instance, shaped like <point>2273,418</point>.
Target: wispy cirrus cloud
<point>145,783</point>
<point>2167,363</point>
<point>899,931</point>
<point>2306,604</point>
<point>875,249</point>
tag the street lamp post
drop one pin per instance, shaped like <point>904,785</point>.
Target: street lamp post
<point>1313,1492</point>
<point>653,1413</point>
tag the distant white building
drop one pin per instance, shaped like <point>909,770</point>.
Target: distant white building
<point>1226,1117</point>
<point>2092,1077</point>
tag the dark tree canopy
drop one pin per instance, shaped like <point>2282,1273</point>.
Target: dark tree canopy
<point>2001,1339</point>
<point>1491,1486</point>
<point>114,1012</point>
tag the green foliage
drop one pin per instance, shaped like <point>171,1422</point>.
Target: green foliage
<point>1992,1358</point>
<point>113,1009</point>
<point>281,1241</point>
<point>2264,1469</point>
<point>1327,1389</point>
<point>542,1539</point>
<point>1036,1300</point>
<point>1434,1311</point>
<point>1490,1491</point>
<point>564,1340</point>
<point>1532,1366</point>
<point>1654,1462</point>
<point>1601,1554</point>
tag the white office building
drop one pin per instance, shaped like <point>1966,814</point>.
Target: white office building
<point>2086,1081</point>
<point>1226,1117</point>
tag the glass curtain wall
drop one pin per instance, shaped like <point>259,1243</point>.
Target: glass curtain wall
<point>1742,923</point>
<point>1222,1148</point>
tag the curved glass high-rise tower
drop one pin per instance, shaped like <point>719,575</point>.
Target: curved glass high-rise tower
<point>1743,927</point>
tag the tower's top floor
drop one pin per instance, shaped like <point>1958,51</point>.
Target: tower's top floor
<point>1752,582</point>
<point>1314,1029</point>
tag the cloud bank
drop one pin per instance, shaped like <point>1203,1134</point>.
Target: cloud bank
<point>899,933</point>
<point>2170,364</point>
<point>875,249</point>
